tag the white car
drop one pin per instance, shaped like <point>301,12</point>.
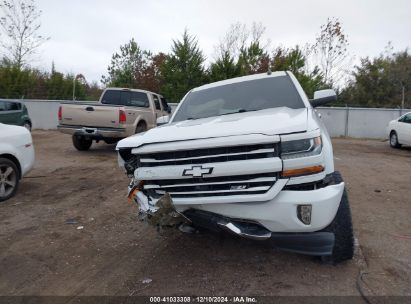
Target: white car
<point>16,158</point>
<point>399,131</point>
<point>247,155</point>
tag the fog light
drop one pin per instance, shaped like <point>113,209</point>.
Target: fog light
<point>304,213</point>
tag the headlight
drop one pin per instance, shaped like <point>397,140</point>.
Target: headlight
<point>301,148</point>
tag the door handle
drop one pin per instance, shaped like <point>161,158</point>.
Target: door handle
<point>89,109</point>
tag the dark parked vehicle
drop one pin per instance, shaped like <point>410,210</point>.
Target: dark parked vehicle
<point>14,113</point>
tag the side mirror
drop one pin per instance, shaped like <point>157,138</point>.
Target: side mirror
<point>163,120</point>
<point>323,97</point>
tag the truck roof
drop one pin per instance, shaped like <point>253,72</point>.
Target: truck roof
<point>134,90</point>
<point>240,79</point>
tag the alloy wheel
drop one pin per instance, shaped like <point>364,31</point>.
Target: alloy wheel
<point>8,180</point>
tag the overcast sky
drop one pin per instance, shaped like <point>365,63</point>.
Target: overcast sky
<point>85,33</point>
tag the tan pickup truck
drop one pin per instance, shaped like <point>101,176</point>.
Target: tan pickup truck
<point>118,114</point>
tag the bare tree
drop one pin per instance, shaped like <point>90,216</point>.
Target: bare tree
<point>332,49</point>
<point>19,28</point>
<point>238,37</point>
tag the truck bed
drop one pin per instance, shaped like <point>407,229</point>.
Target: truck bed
<point>90,114</point>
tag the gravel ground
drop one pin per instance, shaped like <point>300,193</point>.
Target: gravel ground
<point>43,251</point>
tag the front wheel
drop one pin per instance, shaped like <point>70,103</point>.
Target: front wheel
<point>81,143</point>
<point>341,226</point>
<point>394,140</point>
<point>9,179</point>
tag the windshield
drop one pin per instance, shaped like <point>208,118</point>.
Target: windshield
<point>252,95</point>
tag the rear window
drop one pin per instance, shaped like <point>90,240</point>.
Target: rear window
<point>252,95</point>
<point>125,98</point>
<point>112,97</point>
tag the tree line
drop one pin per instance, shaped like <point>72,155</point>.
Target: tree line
<point>30,83</point>
<point>322,63</point>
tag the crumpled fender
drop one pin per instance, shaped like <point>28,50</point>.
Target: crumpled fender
<point>163,214</point>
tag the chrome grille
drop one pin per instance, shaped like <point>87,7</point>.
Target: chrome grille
<point>211,155</point>
<point>209,185</point>
<point>212,186</point>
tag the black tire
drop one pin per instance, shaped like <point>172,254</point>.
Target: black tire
<point>141,127</point>
<point>111,141</point>
<point>342,228</point>
<point>394,140</point>
<point>27,125</point>
<point>9,179</point>
<point>81,143</point>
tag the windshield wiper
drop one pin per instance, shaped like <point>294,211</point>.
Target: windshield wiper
<point>240,111</point>
<point>234,112</point>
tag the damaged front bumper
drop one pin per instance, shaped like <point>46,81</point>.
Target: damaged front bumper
<point>275,220</point>
<point>161,214</point>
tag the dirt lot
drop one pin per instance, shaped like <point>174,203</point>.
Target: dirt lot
<point>41,254</point>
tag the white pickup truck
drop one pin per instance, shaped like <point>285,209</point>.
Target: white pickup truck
<point>119,113</point>
<point>247,155</point>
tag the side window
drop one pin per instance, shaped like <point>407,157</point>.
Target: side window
<point>111,97</point>
<point>2,106</point>
<point>13,106</point>
<point>156,102</point>
<point>138,99</point>
<point>164,103</point>
<point>407,118</point>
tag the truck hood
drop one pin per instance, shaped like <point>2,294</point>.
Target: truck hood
<point>273,121</point>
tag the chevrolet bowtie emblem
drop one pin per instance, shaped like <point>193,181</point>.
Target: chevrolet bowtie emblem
<point>197,171</point>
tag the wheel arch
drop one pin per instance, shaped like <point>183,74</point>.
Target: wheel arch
<point>140,121</point>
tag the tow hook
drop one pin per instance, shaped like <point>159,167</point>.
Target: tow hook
<point>258,235</point>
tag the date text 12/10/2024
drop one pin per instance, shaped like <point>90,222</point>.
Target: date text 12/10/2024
<point>203,299</point>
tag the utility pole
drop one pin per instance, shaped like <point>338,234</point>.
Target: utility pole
<point>74,88</point>
<point>403,96</point>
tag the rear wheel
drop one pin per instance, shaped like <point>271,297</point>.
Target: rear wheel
<point>341,226</point>
<point>81,143</point>
<point>141,127</point>
<point>394,140</point>
<point>9,179</point>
